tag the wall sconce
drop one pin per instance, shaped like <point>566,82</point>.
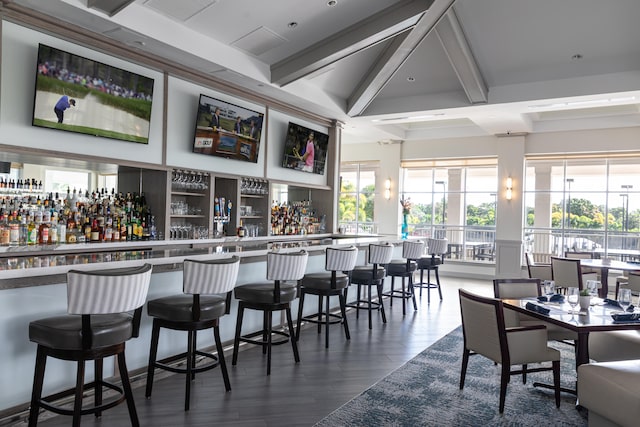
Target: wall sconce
<point>387,188</point>
<point>509,188</point>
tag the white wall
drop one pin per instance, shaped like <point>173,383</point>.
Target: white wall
<point>19,57</point>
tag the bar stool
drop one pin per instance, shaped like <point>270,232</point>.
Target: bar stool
<point>97,325</point>
<point>199,307</point>
<point>371,276</point>
<point>404,268</point>
<point>338,263</point>
<point>285,270</point>
<point>436,248</point>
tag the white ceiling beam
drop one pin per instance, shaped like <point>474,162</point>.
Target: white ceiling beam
<point>393,58</point>
<point>457,49</point>
<point>375,29</point>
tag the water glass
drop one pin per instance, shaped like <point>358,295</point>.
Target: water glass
<point>549,287</point>
<point>624,298</point>
<point>573,298</point>
<point>592,286</point>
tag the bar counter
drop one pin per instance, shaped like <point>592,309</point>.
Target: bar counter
<point>33,286</point>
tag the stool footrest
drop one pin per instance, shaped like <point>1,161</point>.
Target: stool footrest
<point>364,305</point>
<point>317,318</point>
<point>162,364</point>
<point>45,402</point>
<point>249,338</point>
<point>399,294</point>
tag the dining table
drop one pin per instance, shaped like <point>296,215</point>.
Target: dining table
<point>604,265</point>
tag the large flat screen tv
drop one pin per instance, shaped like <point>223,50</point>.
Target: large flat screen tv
<point>227,130</point>
<point>305,149</point>
<point>77,94</point>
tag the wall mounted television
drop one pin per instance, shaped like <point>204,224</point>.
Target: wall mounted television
<point>77,94</point>
<point>227,130</point>
<point>305,149</point>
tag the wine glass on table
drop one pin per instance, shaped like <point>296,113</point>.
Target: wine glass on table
<point>573,298</point>
<point>624,298</point>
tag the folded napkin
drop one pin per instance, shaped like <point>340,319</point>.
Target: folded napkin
<point>612,302</point>
<point>631,308</point>
<point>537,308</point>
<point>625,317</point>
<point>552,298</point>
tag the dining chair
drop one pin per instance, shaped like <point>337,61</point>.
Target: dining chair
<point>584,255</point>
<point>104,311</point>
<point>567,273</point>
<point>339,261</point>
<point>632,282</point>
<point>284,272</point>
<point>485,333</point>
<point>206,297</point>
<point>537,270</point>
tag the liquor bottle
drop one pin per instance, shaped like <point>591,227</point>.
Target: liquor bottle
<point>241,231</point>
<point>43,233</point>
<point>53,229</point>
<point>94,235</point>
<point>32,232</point>
<point>4,231</point>
<point>14,230</point>
<point>24,231</point>
<point>108,230</point>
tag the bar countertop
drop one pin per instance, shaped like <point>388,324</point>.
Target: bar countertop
<point>33,266</point>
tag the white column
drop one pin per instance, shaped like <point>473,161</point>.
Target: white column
<point>509,216</point>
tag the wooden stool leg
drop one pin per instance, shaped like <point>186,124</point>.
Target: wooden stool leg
<point>221,361</point>
<point>98,374</point>
<point>153,352</point>
<point>77,402</point>
<point>187,389</point>
<point>326,322</point>
<point>267,332</point>
<point>126,386</point>
<point>438,282</point>
<point>320,313</point>
<point>343,310</point>
<point>236,341</point>
<point>38,380</point>
<point>294,345</point>
<point>299,321</point>
<point>384,316</point>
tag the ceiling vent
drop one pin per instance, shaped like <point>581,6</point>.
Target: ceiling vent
<point>110,7</point>
<point>259,41</point>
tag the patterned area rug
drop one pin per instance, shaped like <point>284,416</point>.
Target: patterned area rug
<point>425,392</point>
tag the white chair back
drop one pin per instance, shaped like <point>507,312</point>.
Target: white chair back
<point>634,282</point>
<point>482,322</point>
<point>412,250</point>
<point>566,272</point>
<point>516,288</point>
<point>286,266</point>
<point>107,291</point>
<point>341,259</point>
<point>210,277</point>
<point>437,246</point>
<point>380,253</point>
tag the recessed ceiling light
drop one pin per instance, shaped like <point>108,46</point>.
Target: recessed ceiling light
<point>577,56</point>
<point>332,3</point>
<point>411,79</point>
<point>292,24</point>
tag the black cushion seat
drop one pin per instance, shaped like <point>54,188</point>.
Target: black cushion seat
<point>263,292</point>
<point>363,274</point>
<point>179,308</point>
<point>65,332</point>
<point>429,261</point>
<point>322,281</point>
<point>399,266</point>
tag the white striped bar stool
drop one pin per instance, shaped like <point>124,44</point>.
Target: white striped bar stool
<point>371,276</point>
<point>98,323</point>
<point>338,264</point>
<point>206,297</point>
<point>284,271</point>
<point>404,269</point>
<point>436,249</point>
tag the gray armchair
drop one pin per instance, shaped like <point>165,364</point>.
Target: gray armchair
<point>485,333</point>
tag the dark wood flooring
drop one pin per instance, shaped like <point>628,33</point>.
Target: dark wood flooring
<point>299,394</point>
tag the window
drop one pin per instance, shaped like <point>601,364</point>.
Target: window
<point>456,201</point>
<point>58,181</point>
<point>582,205</point>
<point>356,204</point>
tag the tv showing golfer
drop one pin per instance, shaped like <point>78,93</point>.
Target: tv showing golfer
<point>77,94</point>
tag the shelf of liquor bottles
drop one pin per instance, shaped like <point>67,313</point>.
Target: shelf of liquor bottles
<point>75,217</point>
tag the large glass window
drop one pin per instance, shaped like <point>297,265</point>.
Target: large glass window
<point>582,205</point>
<point>356,204</point>
<point>454,201</point>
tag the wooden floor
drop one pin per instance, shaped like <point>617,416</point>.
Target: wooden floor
<point>299,394</point>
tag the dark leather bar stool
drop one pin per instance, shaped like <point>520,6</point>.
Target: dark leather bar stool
<point>206,297</point>
<point>284,270</point>
<point>338,263</point>
<point>371,276</point>
<point>404,268</point>
<point>436,249</point>
<point>98,323</point>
